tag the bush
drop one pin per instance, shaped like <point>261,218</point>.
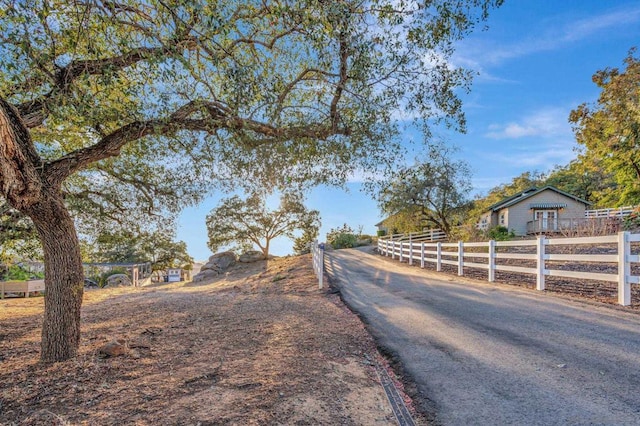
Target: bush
<point>382,232</point>
<point>364,240</point>
<point>631,222</point>
<point>341,241</point>
<point>500,233</point>
<point>16,273</point>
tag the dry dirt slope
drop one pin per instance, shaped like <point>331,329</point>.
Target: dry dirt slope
<point>259,346</point>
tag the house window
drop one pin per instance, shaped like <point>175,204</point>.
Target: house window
<point>502,219</point>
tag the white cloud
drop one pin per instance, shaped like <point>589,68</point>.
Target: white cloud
<point>544,123</point>
<point>552,36</point>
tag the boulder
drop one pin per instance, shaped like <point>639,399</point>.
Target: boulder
<point>251,256</point>
<point>220,261</point>
<point>118,280</point>
<point>216,265</point>
<point>205,275</point>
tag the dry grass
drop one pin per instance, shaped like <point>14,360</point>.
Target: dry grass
<point>260,345</point>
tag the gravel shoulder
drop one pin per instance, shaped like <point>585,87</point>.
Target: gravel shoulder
<point>259,345</point>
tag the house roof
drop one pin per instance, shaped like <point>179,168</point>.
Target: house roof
<point>530,192</point>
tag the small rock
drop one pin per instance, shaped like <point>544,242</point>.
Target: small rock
<point>562,365</point>
<point>114,348</point>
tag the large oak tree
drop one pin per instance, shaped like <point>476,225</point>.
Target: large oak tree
<point>434,190</point>
<point>270,91</point>
<point>250,223</point>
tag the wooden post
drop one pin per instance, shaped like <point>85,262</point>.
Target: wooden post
<point>492,261</point>
<point>624,269</point>
<point>439,256</point>
<point>410,252</point>
<point>460,258</point>
<point>422,255</point>
<point>540,262</point>
<point>401,248</point>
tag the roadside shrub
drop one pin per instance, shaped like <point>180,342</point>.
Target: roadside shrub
<point>500,233</point>
<point>381,232</point>
<point>16,273</point>
<point>341,241</point>
<point>466,233</point>
<point>631,222</point>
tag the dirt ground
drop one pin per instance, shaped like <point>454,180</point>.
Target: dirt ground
<point>260,345</point>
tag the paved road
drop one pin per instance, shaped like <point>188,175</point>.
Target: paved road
<point>493,355</point>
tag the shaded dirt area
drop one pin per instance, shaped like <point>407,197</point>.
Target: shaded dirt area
<point>261,345</point>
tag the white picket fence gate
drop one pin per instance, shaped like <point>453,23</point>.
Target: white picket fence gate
<point>455,254</point>
<point>317,253</point>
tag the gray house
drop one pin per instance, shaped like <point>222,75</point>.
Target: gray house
<point>535,210</point>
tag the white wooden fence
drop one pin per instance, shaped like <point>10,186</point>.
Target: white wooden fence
<point>617,212</point>
<point>455,254</point>
<point>428,235</point>
<point>317,253</point>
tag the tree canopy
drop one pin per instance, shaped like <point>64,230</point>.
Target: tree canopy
<point>609,130</point>
<point>107,106</point>
<point>436,189</point>
<point>249,222</point>
<point>158,248</point>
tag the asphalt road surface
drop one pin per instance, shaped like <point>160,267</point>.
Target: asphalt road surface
<point>482,354</point>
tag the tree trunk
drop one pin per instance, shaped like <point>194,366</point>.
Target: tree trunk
<point>265,250</point>
<point>64,278</point>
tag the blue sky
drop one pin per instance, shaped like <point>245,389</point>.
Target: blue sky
<point>534,62</point>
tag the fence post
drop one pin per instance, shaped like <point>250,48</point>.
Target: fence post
<point>624,269</point>
<point>401,249</point>
<point>320,266</point>
<point>317,258</point>
<point>422,255</point>
<point>460,258</point>
<point>393,249</point>
<point>492,261</point>
<point>540,262</point>
<point>439,256</point>
<point>410,253</point>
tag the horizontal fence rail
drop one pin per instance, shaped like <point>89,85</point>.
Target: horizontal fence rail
<point>469,254</point>
<point>617,212</point>
<point>428,235</point>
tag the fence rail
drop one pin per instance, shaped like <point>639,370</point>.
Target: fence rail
<point>617,212</point>
<point>429,235</point>
<point>454,254</point>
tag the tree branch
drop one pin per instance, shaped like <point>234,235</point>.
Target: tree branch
<point>216,117</point>
<point>20,182</point>
<point>35,111</point>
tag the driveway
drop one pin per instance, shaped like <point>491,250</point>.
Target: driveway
<point>484,354</point>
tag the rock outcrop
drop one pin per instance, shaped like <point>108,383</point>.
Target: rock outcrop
<point>251,256</point>
<point>217,264</point>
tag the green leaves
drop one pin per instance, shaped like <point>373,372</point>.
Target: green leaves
<point>433,192</point>
<point>610,129</point>
<point>249,222</point>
